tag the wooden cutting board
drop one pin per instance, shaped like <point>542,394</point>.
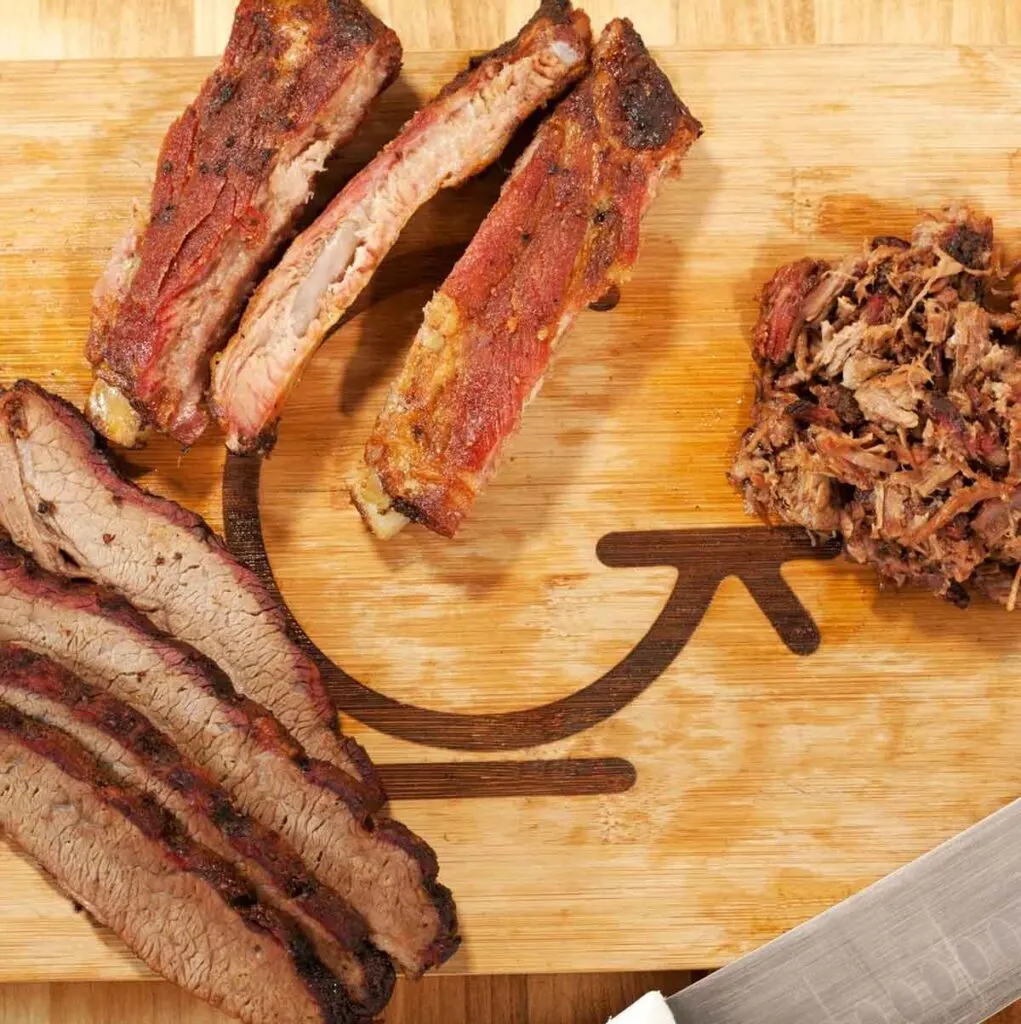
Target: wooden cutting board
<point>640,730</point>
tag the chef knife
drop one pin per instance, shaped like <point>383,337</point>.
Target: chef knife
<point>937,941</point>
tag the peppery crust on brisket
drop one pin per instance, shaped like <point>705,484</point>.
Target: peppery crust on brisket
<point>454,136</point>
<point>125,742</point>
<point>136,542</point>
<point>378,866</point>
<point>563,234</point>
<point>61,775</point>
<point>887,408</point>
<point>233,172</point>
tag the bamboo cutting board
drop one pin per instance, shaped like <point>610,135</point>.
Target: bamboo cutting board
<point>640,730</point>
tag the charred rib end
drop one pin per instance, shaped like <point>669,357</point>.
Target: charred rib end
<point>374,504</point>
<point>110,412</point>
<point>261,444</point>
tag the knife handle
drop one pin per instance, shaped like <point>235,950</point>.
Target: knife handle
<point>650,1009</point>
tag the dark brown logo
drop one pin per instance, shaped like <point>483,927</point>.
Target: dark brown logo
<point>703,558</point>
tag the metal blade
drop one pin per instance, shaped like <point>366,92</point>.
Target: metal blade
<point>937,941</point>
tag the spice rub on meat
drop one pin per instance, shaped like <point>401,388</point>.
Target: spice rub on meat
<point>180,908</point>
<point>457,134</point>
<point>376,865</point>
<point>564,233</point>
<point>887,408</point>
<point>140,757</point>
<point>233,173</point>
<point>62,500</point>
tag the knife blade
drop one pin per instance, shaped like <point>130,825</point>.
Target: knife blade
<point>936,942</point>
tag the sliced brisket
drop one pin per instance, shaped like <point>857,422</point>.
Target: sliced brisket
<point>387,874</point>
<point>181,909</point>
<point>61,500</point>
<point>455,136</point>
<point>563,234</point>
<point>234,171</point>
<point>142,758</point>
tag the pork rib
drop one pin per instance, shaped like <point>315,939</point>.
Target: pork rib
<point>234,171</point>
<point>563,233</point>
<point>178,907</point>
<point>455,136</point>
<point>62,501</point>
<point>140,757</point>
<point>383,871</point>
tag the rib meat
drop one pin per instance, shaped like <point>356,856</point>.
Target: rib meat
<point>181,909</point>
<point>140,757</point>
<point>234,171</point>
<point>61,500</point>
<point>563,233</point>
<point>387,874</point>
<point>455,136</point>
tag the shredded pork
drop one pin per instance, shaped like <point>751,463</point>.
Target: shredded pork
<point>886,408</point>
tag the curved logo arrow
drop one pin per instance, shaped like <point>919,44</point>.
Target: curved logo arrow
<point>703,558</point>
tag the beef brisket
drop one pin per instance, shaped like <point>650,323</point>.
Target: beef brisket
<point>887,408</point>
<point>564,232</point>
<point>140,757</point>
<point>181,909</point>
<point>381,869</point>
<point>62,500</point>
<point>455,136</point>
<point>233,172</point>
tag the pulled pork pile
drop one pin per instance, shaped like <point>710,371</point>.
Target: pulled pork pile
<point>887,408</point>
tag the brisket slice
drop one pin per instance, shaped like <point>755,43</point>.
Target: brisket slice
<point>61,500</point>
<point>181,909</point>
<point>387,874</point>
<point>453,137</point>
<point>562,235</point>
<point>142,758</point>
<point>233,172</point>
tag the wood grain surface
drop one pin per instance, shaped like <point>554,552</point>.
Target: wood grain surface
<point>56,29</point>
<point>799,786</point>
<point>547,999</point>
